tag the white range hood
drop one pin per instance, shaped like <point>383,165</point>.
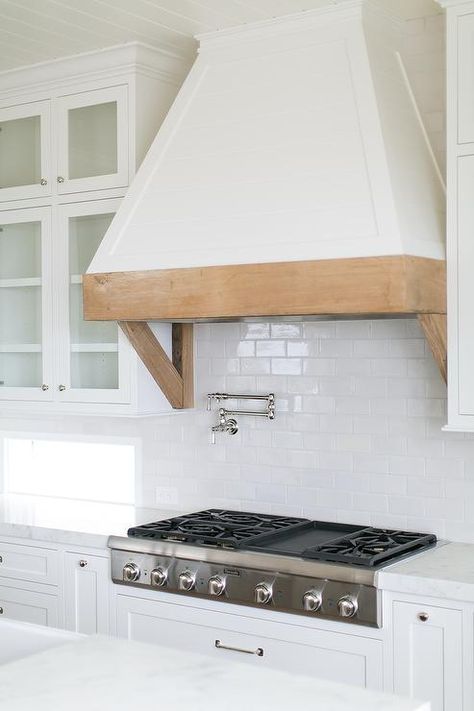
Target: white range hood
<point>291,177</point>
<point>292,139</point>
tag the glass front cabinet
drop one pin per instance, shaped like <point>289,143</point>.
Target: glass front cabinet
<point>70,141</point>
<point>91,150</point>
<point>93,354</point>
<point>25,305</point>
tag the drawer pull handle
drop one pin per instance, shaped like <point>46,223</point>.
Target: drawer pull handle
<point>423,616</point>
<point>258,652</point>
<point>1,559</point>
<point>1,610</point>
<point>82,563</point>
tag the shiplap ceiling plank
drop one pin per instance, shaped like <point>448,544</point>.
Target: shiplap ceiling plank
<point>38,30</point>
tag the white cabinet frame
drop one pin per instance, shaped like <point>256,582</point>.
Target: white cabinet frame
<point>43,110</point>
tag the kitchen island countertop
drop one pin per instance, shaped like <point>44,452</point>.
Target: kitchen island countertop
<point>107,674</point>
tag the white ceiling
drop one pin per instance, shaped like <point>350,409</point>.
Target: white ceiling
<point>38,30</point>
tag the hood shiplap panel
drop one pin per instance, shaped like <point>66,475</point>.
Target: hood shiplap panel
<point>290,140</point>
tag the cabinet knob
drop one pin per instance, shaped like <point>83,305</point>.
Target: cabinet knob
<point>44,387</point>
<point>82,563</point>
<point>1,610</point>
<point>60,179</point>
<point>43,181</point>
<point>423,616</point>
<point>61,388</point>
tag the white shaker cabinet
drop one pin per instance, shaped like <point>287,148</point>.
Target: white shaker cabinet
<point>428,654</point>
<point>298,648</point>
<point>460,226</point>
<point>86,593</point>
<point>39,608</point>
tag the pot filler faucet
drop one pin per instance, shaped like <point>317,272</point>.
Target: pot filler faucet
<point>227,421</point>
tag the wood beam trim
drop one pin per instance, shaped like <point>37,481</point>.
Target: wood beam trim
<point>434,327</point>
<point>391,285</point>
<point>175,378</point>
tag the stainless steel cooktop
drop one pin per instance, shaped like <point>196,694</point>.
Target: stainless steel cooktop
<point>275,562</point>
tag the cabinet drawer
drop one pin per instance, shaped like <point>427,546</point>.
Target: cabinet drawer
<point>294,648</point>
<point>38,565</point>
<point>28,606</point>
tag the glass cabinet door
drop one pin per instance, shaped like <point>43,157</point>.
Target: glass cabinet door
<point>25,151</point>
<point>93,140</point>
<point>25,305</point>
<point>92,362</point>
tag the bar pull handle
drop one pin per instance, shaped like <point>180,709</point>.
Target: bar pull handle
<point>219,645</point>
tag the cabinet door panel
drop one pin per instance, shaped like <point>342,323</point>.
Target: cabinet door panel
<point>27,606</point>
<point>25,305</point>
<point>93,140</point>
<point>39,565</point>
<point>465,63</point>
<point>427,654</point>
<point>25,148</point>
<point>94,358</point>
<point>328,655</point>
<point>87,593</point>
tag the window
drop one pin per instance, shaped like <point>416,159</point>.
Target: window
<point>87,470</point>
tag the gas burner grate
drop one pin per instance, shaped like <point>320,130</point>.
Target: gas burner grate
<point>217,527</point>
<point>370,547</point>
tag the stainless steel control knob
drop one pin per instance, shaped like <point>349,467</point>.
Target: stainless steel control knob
<point>216,585</point>
<point>312,601</point>
<point>263,594</point>
<point>347,606</point>
<point>131,572</point>
<point>158,577</point>
<point>186,581</point>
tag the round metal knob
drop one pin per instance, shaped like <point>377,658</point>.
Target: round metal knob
<point>131,572</point>
<point>347,606</point>
<point>312,601</point>
<point>44,388</point>
<point>158,577</point>
<point>43,181</point>
<point>60,179</point>
<point>61,388</point>
<point>83,564</point>
<point>263,594</point>
<point>1,610</point>
<point>423,616</point>
<point>216,585</point>
<point>186,581</point>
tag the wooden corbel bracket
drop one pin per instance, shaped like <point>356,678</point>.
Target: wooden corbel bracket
<point>174,376</point>
<point>434,327</point>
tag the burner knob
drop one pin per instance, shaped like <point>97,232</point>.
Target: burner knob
<point>216,585</point>
<point>312,601</point>
<point>347,606</point>
<point>186,581</point>
<point>131,572</point>
<point>263,594</point>
<point>158,577</point>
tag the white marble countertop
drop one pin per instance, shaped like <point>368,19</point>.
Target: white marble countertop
<point>446,571</point>
<point>106,674</point>
<point>70,522</point>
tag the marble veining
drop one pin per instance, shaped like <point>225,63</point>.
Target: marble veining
<point>110,674</point>
<point>446,571</point>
